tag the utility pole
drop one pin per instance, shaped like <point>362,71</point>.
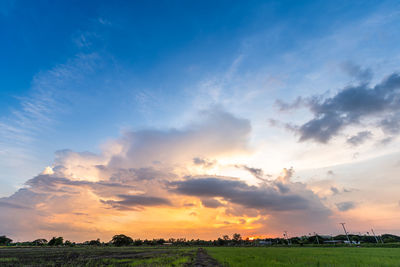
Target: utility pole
<point>344,228</point>
<point>287,237</point>
<point>376,239</point>
<point>316,235</point>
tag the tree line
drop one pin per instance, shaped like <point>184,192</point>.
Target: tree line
<point>235,240</point>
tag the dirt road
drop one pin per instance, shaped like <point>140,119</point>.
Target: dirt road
<point>203,259</point>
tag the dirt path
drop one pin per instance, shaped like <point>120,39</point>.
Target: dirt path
<point>203,259</point>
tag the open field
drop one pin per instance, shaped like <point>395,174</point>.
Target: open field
<point>95,256</point>
<point>194,256</point>
<point>305,256</point>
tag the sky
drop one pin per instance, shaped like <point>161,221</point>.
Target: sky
<point>197,119</point>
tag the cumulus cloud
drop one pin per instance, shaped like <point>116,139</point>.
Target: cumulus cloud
<point>215,133</point>
<point>350,106</point>
<point>144,176</point>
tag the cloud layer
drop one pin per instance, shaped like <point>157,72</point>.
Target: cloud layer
<point>150,174</point>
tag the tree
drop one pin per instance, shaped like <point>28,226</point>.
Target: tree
<point>94,242</point>
<point>40,242</point>
<point>236,237</point>
<point>138,242</point>
<point>69,243</point>
<point>56,241</point>
<point>121,240</point>
<point>4,241</point>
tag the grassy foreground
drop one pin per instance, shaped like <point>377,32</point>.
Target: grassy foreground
<point>191,256</point>
<point>95,256</point>
<point>305,256</point>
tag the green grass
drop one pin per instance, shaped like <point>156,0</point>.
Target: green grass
<point>307,256</point>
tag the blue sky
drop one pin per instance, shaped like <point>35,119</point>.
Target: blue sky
<point>77,75</point>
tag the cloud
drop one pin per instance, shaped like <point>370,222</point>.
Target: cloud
<point>129,175</point>
<point>256,172</point>
<point>136,200</point>
<point>211,203</point>
<point>334,190</point>
<point>263,197</point>
<point>206,163</point>
<point>359,138</point>
<point>11,205</point>
<point>355,71</point>
<point>215,133</point>
<point>283,106</point>
<point>345,206</point>
<point>144,176</point>
<point>350,106</point>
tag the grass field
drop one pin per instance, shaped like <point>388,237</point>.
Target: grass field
<point>306,256</point>
<point>96,256</point>
<point>193,256</point>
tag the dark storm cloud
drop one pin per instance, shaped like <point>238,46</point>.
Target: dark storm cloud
<point>345,206</point>
<point>349,106</point>
<point>131,201</point>
<point>238,192</point>
<point>359,138</point>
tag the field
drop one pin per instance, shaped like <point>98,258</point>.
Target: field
<point>306,256</point>
<point>193,256</point>
<point>95,256</point>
